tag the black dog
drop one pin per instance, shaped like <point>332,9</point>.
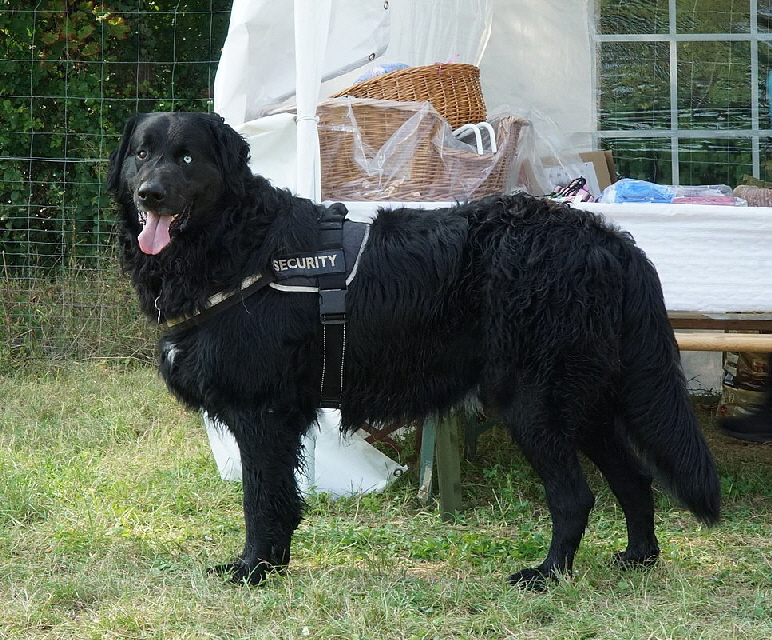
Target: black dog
<point>552,318</point>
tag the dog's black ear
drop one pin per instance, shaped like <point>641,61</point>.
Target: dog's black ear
<point>119,153</point>
<point>231,152</point>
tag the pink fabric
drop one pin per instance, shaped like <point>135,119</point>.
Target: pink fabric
<point>728,201</point>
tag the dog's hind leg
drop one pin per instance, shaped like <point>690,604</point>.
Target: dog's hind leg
<point>270,450</point>
<point>630,482</point>
<point>552,453</point>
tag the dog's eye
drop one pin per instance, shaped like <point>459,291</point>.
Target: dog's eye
<point>142,154</point>
<point>187,159</point>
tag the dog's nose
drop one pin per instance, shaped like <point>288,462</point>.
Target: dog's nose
<point>151,193</point>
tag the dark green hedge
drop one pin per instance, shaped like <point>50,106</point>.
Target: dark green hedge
<point>72,72</point>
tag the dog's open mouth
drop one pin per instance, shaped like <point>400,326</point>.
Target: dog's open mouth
<point>155,236</point>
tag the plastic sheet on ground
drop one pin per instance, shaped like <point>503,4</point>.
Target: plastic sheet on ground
<point>343,465</point>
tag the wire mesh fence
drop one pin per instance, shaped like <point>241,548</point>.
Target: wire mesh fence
<point>72,72</point>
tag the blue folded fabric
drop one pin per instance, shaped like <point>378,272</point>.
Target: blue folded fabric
<point>629,190</point>
<point>379,69</point>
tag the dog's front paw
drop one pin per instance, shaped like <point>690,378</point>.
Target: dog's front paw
<point>241,573</point>
<point>530,579</point>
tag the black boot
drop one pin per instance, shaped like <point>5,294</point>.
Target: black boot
<point>756,426</point>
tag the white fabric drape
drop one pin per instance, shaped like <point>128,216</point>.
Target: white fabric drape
<point>258,63</point>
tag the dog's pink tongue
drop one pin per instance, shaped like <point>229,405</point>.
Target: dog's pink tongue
<point>155,234</point>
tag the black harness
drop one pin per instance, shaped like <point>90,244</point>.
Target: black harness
<point>327,270</point>
<point>332,310</point>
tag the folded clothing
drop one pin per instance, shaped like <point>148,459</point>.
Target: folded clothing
<point>727,201</point>
<point>629,190</point>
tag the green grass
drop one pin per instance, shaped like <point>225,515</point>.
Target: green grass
<point>111,509</point>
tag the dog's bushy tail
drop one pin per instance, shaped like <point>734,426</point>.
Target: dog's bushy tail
<point>657,410</point>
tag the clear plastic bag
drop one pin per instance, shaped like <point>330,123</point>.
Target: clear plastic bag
<point>629,190</point>
<point>394,150</point>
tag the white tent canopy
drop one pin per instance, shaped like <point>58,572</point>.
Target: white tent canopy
<point>271,50</point>
<point>258,64</point>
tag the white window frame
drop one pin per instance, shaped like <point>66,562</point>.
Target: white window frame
<point>673,133</point>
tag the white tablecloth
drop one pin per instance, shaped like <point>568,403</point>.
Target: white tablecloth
<point>709,258</point>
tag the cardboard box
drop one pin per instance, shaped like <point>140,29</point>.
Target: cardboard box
<point>603,162</point>
<point>597,169</point>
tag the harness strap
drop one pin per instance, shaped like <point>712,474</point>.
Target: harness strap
<point>222,301</point>
<point>332,310</point>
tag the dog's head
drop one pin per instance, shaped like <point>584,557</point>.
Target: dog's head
<point>172,172</point>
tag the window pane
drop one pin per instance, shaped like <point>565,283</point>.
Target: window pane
<point>714,87</point>
<point>634,86</point>
<point>764,16</point>
<point>642,158</point>
<point>633,16</point>
<point>716,161</point>
<point>765,84</point>
<point>717,16</point>
<point>766,159</point>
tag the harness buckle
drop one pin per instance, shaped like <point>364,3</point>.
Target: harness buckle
<point>332,306</point>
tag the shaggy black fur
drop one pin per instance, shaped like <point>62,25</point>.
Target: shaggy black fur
<point>552,317</point>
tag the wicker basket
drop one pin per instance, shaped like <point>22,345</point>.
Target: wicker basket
<point>359,162</point>
<point>453,89</point>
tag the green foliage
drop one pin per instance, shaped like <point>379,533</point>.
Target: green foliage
<point>72,73</point>
<point>80,314</point>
